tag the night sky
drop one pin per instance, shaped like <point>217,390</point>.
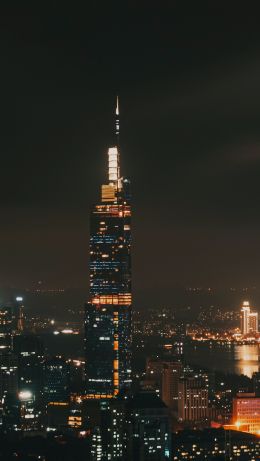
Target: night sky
<point>189,84</point>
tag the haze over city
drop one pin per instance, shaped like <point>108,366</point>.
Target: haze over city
<point>188,85</point>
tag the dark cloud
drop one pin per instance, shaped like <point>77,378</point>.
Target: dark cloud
<point>189,85</point>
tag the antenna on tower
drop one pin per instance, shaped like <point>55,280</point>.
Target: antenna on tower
<point>117,121</point>
<point>117,105</point>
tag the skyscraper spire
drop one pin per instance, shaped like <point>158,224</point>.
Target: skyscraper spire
<point>117,105</point>
<point>114,175</point>
<point>117,121</point>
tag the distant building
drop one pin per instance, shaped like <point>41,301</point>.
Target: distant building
<point>170,381</point>
<point>153,375</point>
<point>129,428</point>
<point>20,313</point>
<point>246,412</point>
<point>162,375</point>
<point>29,415</point>
<point>30,352</point>
<point>11,323</point>
<point>253,322</point>
<point>193,403</point>
<point>56,380</point>
<point>215,444</point>
<point>11,412</point>
<point>148,432</point>
<point>106,423</point>
<point>249,320</point>
<point>8,375</point>
<point>57,416</point>
<point>256,383</point>
<point>56,393</point>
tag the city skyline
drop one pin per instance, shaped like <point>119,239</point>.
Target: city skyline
<point>129,318</point>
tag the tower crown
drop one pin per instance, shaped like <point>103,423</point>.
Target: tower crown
<point>109,191</point>
<point>117,122</point>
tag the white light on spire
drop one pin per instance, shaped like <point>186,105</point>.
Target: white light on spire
<point>113,165</point>
<point>117,105</point>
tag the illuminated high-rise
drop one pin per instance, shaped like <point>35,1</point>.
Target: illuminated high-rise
<point>249,319</point>
<point>108,313</point>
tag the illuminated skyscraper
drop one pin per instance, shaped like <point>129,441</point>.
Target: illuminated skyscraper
<point>249,319</point>
<point>108,313</point>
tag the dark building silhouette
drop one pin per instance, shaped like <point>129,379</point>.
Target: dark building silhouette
<point>8,374</point>
<point>148,433</point>
<point>106,422</point>
<point>55,380</point>
<point>30,352</point>
<point>256,383</point>
<point>193,402</point>
<point>11,322</point>
<point>11,412</point>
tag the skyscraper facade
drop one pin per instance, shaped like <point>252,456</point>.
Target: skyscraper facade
<point>246,412</point>
<point>108,313</point>
<point>249,319</point>
<point>193,399</point>
<point>55,380</point>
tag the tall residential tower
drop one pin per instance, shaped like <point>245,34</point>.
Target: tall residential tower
<point>249,319</point>
<point>108,313</point>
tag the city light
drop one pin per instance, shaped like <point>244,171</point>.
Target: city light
<point>25,395</point>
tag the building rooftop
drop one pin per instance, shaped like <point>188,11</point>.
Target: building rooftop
<point>146,399</point>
